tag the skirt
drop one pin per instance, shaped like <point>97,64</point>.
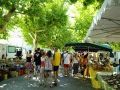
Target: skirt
<point>29,65</point>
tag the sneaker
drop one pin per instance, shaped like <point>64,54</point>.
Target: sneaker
<point>51,86</point>
<point>55,84</point>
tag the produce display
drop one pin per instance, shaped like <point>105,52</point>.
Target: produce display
<point>100,61</point>
<point>112,80</point>
<point>9,69</point>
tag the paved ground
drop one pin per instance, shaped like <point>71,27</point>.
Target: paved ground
<point>66,83</point>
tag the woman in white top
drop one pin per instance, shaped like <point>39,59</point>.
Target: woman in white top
<point>48,69</point>
<point>67,62</point>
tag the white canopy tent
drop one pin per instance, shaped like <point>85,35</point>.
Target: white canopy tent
<point>106,24</point>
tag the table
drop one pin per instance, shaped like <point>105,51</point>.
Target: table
<point>103,84</point>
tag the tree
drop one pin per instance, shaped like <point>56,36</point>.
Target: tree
<point>6,11</point>
<point>50,17</point>
<point>84,19</point>
<point>9,9</point>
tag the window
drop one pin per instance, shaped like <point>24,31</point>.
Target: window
<point>11,49</point>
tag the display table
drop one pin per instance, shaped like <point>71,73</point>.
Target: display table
<point>96,78</point>
<point>10,70</point>
<point>103,84</point>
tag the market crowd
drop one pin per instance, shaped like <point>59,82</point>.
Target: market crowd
<point>45,65</point>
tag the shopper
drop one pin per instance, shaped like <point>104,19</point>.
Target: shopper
<point>48,69</point>
<point>29,65</point>
<point>86,66</point>
<point>75,63</point>
<point>56,63</point>
<point>42,67</point>
<point>37,60</point>
<point>66,62</point>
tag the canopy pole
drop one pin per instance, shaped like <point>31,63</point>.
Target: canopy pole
<point>88,53</point>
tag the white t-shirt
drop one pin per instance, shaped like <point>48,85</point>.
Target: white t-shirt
<point>67,58</point>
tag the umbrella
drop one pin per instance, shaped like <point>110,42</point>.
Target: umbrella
<point>108,46</point>
<point>88,47</point>
<point>106,24</point>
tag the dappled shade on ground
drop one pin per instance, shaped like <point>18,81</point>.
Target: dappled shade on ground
<point>65,83</point>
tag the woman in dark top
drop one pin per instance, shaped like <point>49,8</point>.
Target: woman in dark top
<point>29,66</point>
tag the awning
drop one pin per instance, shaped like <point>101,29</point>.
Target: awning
<point>88,47</point>
<point>106,24</point>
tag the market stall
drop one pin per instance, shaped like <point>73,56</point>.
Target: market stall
<point>108,81</point>
<point>106,24</point>
<point>99,56</point>
<point>9,69</point>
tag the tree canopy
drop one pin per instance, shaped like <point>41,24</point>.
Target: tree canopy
<point>48,23</point>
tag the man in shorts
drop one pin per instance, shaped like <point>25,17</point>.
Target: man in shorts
<point>56,63</point>
<point>37,60</point>
<point>66,62</point>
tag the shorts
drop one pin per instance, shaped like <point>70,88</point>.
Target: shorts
<point>75,68</point>
<point>47,71</point>
<point>55,68</point>
<point>66,65</point>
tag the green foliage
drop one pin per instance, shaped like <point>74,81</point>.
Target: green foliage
<point>73,1</point>
<point>115,46</point>
<point>49,16</point>
<point>84,19</point>
<point>1,20</point>
<point>56,21</point>
<point>3,35</point>
<point>56,16</point>
<point>83,23</point>
<point>90,2</point>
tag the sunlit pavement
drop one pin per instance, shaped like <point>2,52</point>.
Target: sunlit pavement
<point>65,83</point>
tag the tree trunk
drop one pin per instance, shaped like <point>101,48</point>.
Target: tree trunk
<point>35,42</point>
<point>6,19</point>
